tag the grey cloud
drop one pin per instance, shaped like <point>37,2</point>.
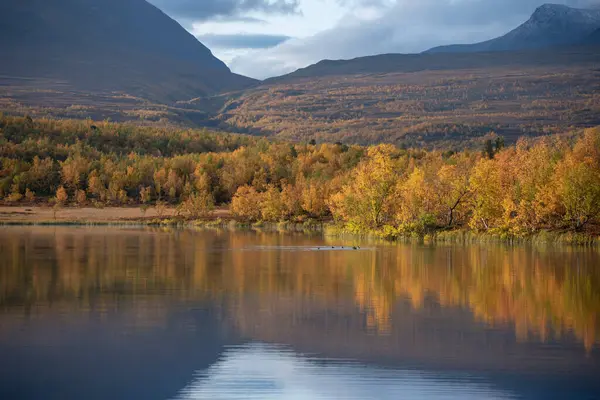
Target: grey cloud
<point>243,41</point>
<point>365,3</point>
<point>201,10</point>
<point>407,26</point>
<point>239,18</point>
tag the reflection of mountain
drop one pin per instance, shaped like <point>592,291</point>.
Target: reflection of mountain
<point>274,372</point>
<point>102,354</point>
<point>458,308</point>
<point>432,339</point>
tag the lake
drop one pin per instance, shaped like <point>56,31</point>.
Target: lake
<point>141,313</point>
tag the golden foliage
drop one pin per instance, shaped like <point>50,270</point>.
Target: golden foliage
<point>61,197</point>
<point>548,183</point>
<point>246,203</point>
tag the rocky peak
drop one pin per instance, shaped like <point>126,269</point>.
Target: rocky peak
<point>550,25</point>
<point>548,11</point>
<point>557,13</point>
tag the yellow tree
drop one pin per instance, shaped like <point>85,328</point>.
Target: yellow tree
<point>199,201</point>
<point>314,196</point>
<point>488,195</point>
<point>573,195</point>
<point>413,194</point>
<point>145,194</point>
<point>198,204</point>
<point>96,187</point>
<point>61,197</point>
<point>29,195</point>
<point>271,205</point>
<point>454,190</point>
<point>81,197</point>
<point>578,190</point>
<point>290,199</point>
<point>238,169</point>
<point>528,170</point>
<point>368,199</point>
<point>246,203</point>
<point>73,170</point>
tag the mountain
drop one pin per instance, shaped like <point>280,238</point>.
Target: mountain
<point>594,38</point>
<point>408,63</point>
<point>120,45</point>
<point>426,100</point>
<point>550,25</point>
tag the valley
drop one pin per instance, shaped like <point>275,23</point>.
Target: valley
<point>541,78</point>
<point>429,101</point>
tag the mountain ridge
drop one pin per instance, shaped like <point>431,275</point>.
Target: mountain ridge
<point>481,54</point>
<point>407,63</point>
<point>594,38</point>
<point>127,45</point>
<point>549,25</point>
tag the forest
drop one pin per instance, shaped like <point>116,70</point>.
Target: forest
<point>549,183</point>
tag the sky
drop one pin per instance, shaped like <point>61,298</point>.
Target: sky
<point>265,38</point>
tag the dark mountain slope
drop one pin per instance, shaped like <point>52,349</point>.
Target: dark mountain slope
<point>405,63</point>
<point>550,25</point>
<point>593,39</point>
<point>127,45</point>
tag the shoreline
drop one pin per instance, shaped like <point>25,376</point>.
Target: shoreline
<point>38,214</point>
<point>223,219</point>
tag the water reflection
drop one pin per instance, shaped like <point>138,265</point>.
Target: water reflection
<point>123,296</point>
<point>263,372</point>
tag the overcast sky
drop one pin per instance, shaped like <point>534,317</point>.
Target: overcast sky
<point>263,38</point>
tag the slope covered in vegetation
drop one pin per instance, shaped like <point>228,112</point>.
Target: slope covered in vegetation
<point>428,101</point>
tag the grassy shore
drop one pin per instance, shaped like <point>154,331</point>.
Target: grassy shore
<point>222,218</point>
<point>468,237</point>
<point>91,215</point>
<point>136,216</point>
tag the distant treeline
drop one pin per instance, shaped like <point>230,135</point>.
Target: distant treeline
<point>549,183</point>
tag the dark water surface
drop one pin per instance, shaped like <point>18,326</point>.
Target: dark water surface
<point>127,313</point>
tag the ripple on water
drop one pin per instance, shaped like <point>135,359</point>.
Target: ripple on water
<point>259,371</point>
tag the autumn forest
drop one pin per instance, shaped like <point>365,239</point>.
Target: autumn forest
<point>550,183</point>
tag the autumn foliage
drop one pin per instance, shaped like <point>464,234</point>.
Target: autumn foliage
<point>546,183</point>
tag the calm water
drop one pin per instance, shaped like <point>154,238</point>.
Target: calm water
<point>109,313</point>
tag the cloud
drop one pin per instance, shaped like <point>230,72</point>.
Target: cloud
<point>203,10</point>
<point>403,26</point>
<point>238,18</point>
<point>243,41</point>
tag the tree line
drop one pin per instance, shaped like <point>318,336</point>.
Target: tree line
<point>548,183</point>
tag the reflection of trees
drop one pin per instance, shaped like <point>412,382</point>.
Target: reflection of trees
<point>541,293</point>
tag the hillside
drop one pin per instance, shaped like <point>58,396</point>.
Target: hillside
<point>128,61</point>
<point>128,46</point>
<point>429,100</point>
<point>408,63</point>
<point>550,25</point>
<point>594,38</point>
<point>546,80</point>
